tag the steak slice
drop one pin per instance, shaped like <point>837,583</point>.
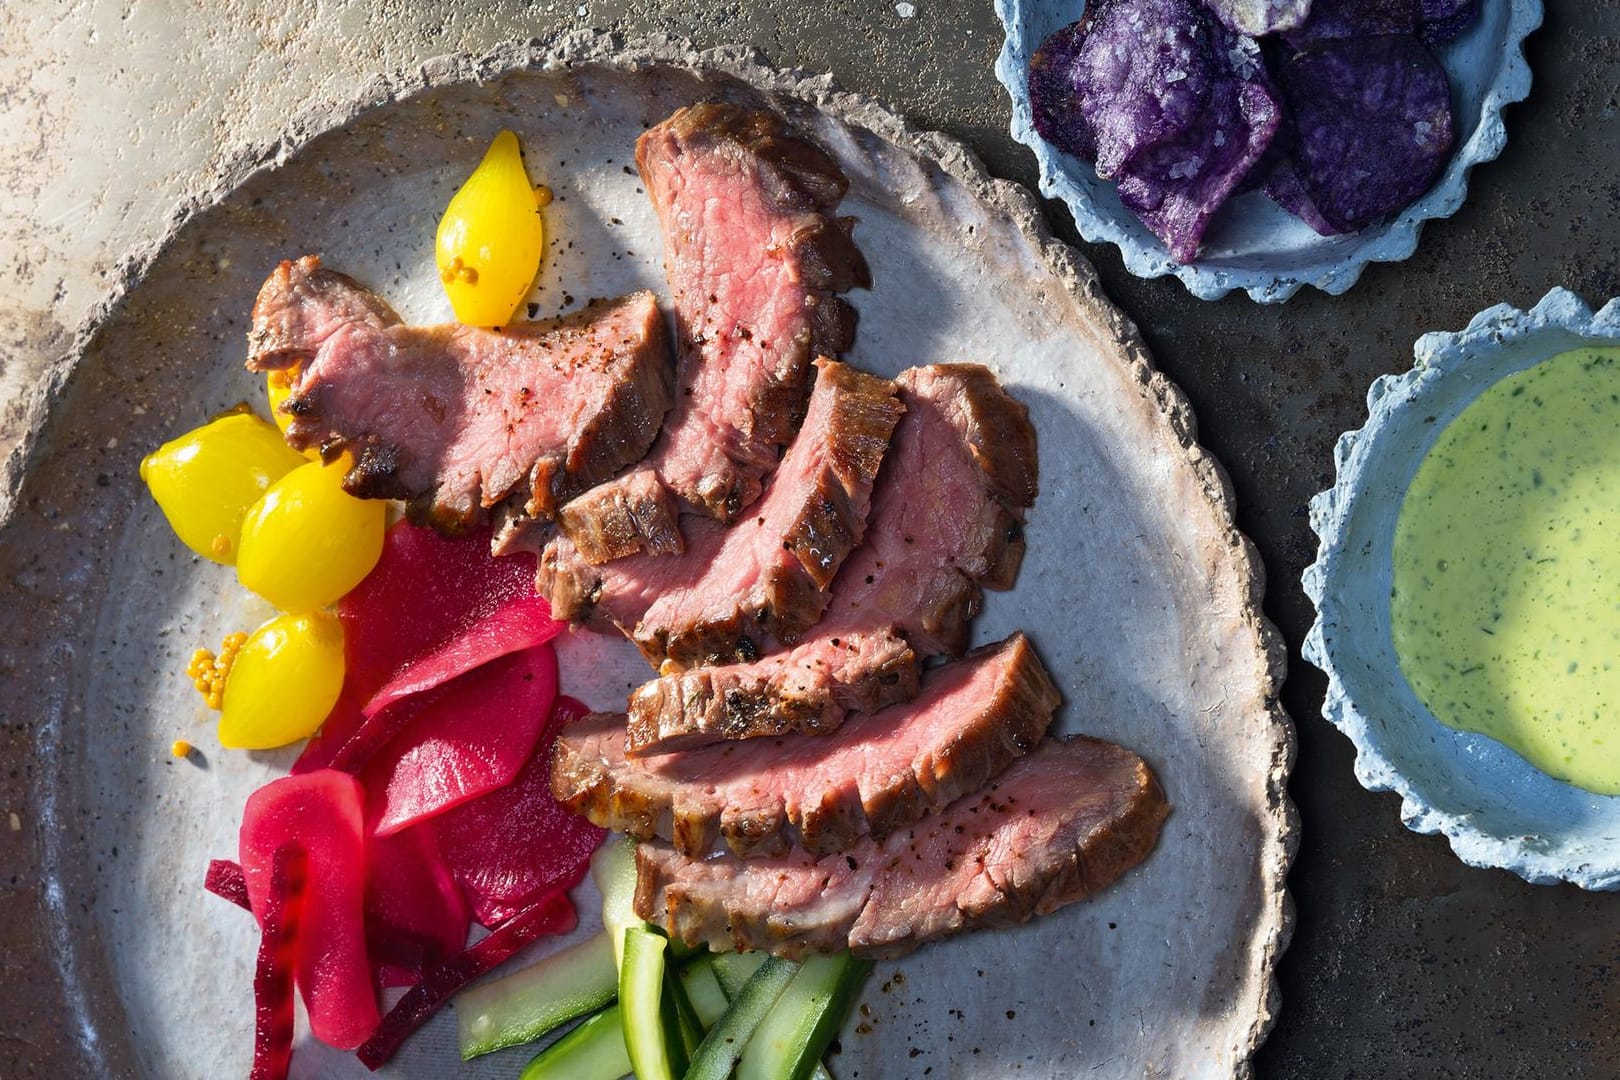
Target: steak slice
<point>754,255</point>
<point>455,419</point>
<point>946,521</point>
<point>809,688</point>
<point>1056,827</point>
<point>766,576</point>
<point>876,774</point>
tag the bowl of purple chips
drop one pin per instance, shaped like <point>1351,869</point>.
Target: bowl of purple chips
<point>1261,145</point>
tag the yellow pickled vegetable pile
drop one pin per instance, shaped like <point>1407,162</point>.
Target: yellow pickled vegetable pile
<point>235,493</point>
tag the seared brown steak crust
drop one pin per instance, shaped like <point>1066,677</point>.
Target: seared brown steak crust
<point>766,576</point>
<point>754,255</point>
<point>947,519</point>
<point>455,419</point>
<point>1056,827</point>
<point>809,688</point>
<point>876,774</point>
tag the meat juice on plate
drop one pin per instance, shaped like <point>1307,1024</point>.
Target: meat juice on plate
<point>1505,608</point>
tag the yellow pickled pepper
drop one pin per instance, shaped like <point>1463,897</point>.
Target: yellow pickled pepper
<point>307,541</point>
<point>284,680</point>
<point>491,238</point>
<point>206,480</point>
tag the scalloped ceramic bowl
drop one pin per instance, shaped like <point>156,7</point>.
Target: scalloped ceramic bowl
<point>1253,244</point>
<point>1495,808</point>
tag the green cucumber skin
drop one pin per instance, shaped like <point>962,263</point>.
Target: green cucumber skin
<point>790,1042</point>
<point>593,1051</point>
<point>530,1003</point>
<point>709,999</point>
<point>682,1032</point>
<point>729,1038</point>
<point>735,969</point>
<point>642,1004</point>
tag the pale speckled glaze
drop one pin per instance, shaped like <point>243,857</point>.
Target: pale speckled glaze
<point>1253,244</point>
<point>1494,807</point>
<point>1132,546</point>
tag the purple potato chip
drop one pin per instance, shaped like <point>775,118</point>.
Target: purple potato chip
<point>1331,19</point>
<point>1441,10</point>
<point>1372,127</point>
<point>1257,17</point>
<point>1159,95</point>
<point>1054,98</point>
<point>1176,186</point>
<point>1143,73</point>
<point>1445,19</point>
<point>1287,190</point>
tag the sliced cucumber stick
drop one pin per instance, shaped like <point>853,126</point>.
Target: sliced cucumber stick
<point>789,1043</point>
<point>709,999</point>
<point>735,969</point>
<point>655,1048</point>
<point>726,1041</point>
<point>526,1004</point>
<point>613,868</point>
<point>593,1051</point>
<point>681,1023</point>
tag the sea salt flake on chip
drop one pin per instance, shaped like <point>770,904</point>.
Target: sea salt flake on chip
<point>1257,17</point>
<point>1372,128</point>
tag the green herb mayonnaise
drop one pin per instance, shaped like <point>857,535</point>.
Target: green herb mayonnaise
<point>1505,609</point>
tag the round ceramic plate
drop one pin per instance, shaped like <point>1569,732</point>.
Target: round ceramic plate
<point>1140,594</point>
<point>1253,244</point>
<point>1494,806</point>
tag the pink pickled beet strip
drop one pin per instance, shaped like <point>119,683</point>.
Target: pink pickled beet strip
<point>516,625</point>
<point>415,914</point>
<point>518,842</point>
<point>552,913</point>
<point>320,812</point>
<point>471,736</point>
<point>273,974</point>
<point>520,624</point>
<point>225,881</point>
<point>424,591</point>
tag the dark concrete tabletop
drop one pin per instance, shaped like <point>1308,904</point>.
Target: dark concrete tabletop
<point>1405,962</point>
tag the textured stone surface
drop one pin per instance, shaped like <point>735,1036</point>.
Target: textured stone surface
<point>1405,962</point>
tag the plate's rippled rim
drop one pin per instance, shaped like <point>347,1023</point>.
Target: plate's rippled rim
<point>74,959</point>
<point>1101,218</point>
<point>1363,462</point>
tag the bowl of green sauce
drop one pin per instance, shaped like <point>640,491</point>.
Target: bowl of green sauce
<point>1467,590</point>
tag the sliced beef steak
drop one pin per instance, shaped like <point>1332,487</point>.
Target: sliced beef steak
<point>1056,827</point>
<point>809,688</point>
<point>455,419</point>
<point>766,576</point>
<point>754,255</point>
<point>876,774</point>
<point>947,519</point>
